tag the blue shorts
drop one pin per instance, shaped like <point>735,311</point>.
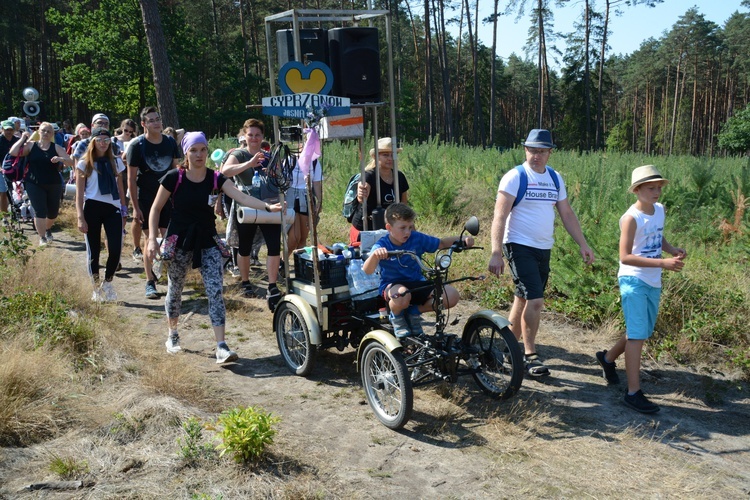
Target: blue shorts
<point>640,306</point>
<point>3,184</point>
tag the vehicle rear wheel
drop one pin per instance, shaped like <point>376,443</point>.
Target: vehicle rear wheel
<point>293,337</point>
<point>388,389</point>
<point>496,356</point>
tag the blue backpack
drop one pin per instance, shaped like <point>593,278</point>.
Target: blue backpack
<point>524,183</point>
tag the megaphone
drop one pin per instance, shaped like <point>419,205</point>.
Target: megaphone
<point>217,156</point>
<point>31,108</point>
<point>30,94</point>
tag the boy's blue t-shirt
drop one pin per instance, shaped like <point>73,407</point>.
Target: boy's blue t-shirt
<point>400,269</point>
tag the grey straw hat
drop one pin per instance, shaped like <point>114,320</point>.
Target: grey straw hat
<point>644,174</point>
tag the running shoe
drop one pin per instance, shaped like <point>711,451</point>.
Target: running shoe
<point>224,354</point>
<point>138,255</point>
<point>151,292</point>
<point>173,344</point>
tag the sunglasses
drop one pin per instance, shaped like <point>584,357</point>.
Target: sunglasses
<point>128,131</point>
<point>103,140</point>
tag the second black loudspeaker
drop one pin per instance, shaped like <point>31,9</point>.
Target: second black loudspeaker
<point>313,45</point>
<point>354,56</point>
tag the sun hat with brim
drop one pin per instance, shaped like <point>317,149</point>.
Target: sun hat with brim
<point>539,138</point>
<point>7,124</point>
<point>644,174</point>
<point>385,144</point>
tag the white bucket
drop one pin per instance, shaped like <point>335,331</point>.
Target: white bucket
<point>70,192</point>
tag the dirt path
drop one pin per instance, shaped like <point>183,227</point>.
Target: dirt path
<point>566,437</point>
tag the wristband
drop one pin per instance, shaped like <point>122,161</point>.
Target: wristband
<point>268,207</point>
<point>124,210</point>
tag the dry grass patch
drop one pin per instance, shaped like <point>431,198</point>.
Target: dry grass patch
<point>34,394</point>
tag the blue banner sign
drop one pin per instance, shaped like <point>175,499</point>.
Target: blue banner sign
<point>301,105</point>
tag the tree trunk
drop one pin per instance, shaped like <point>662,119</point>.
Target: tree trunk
<point>428,70</point>
<point>599,91</point>
<point>445,74</point>
<point>540,79</point>
<point>157,49</point>
<point>493,72</point>
<point>245,52</point>
<point>586,73</point>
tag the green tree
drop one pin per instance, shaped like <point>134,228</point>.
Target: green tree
<point>735,134</point>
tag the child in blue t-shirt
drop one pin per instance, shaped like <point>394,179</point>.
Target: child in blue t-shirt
<point>398,275</point>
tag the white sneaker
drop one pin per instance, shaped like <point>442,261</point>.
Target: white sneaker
<point>225,355</point>
<point>234,271</point>
<point>96,296</point>
<point>108,292</point>
<point>173,345</point>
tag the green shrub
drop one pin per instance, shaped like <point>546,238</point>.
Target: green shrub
<point>46,315</point>
<point>245,433</point>
<point>68,468</point>
<point>192,448</point>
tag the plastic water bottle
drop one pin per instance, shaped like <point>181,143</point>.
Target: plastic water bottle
<point>256,180</point>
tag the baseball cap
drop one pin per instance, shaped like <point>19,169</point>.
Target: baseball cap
<point>8,124</point>
<point>99,116</point>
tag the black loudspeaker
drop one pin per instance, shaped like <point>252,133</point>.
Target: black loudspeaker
<point>313,44</point>
<point>354,56</point>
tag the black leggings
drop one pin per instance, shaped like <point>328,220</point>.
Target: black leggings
<point>45,199</point>
<point>271,233</point>
<point>98,214</point>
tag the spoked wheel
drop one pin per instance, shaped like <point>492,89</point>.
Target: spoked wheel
<point>293,337</point>
<point>387,386</point>
<point>496,354</point>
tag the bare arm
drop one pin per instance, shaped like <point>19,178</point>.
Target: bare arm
<point>153,219</point>
<point>133,188</point>
<point>570,221</point>
<point>80,188</point>
<point>233,166</point>
<point>248,201</point>
<point>21,147</point>
<point>450,240</point>
<point>62,157</point>
<point>503,206</point>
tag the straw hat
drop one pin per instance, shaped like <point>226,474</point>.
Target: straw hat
<point>644,174</point>
<point>385,144</point>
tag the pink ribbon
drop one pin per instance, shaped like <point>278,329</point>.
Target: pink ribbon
<point>310,151</point>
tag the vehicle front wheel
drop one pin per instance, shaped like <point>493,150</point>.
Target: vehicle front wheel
<point>388,389</point>
<point>293,337</point>
<point>495,354</point>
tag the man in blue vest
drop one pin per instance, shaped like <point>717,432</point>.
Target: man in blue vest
<point>522,232</point>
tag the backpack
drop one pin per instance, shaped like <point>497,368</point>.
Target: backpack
<point>524,183</point>
<point>351,204</point>
<point>15,167</point>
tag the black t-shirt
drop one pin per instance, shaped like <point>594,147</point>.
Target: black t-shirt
<point>387,196</point>
<point>152,161</point>
<point>41,169</point>
<point>193,218</point>
<point>5,145</point>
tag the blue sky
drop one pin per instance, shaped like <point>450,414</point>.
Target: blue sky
<point>628,30</point>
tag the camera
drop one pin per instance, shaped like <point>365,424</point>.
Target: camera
<point>291,133</point>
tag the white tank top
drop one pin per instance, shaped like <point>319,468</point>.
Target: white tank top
<point>649,234</point>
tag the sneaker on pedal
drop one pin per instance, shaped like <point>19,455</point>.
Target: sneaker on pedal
<point>173,344</point>
<point>400,326</point>
<point>151,292</point>
<point>415,324</point>
<point>108,292</point>
<point>224,354</point>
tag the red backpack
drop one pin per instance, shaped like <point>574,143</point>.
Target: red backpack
<point>15,167</point>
